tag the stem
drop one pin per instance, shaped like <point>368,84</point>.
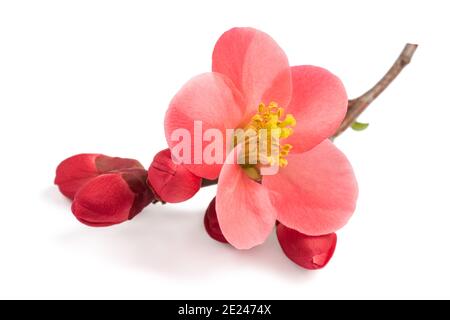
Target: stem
<point>358,105</point>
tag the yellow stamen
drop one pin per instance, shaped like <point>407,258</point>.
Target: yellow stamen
<point>270,128</point>
<point>288,121</point>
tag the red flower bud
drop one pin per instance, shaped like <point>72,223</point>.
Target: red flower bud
<point>307,251</point>
<point>171,182</point>
<point>76,171</point>
<point>212,224</point>
<point>112,198</point>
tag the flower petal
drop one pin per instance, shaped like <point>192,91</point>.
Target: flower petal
<point>316,192</point>
<point>211,223</point>
<point>245,213</point>
<point>104,201</point>
<point>213,100</point>
<point>319,103</point>
<point>171,182</point>
<point>76,171</point>
<point>256,64</point>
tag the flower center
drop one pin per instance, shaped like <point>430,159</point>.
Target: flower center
<point>263,136</point>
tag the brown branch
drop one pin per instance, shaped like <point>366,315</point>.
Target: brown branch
<point>358,105</point>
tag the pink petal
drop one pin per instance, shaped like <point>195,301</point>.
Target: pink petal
<point>309,252</point>
<point>212,99</point>
<point>245,213</point>
<point>319,103</point>
<point>256,65</point>
<point>316,192</point>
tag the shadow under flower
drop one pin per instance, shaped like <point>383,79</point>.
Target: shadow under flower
<point>174,243</point>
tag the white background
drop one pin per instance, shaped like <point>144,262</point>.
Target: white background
<point>97,76</point>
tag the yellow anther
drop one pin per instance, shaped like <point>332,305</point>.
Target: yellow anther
<point>288,121</point>
<point>280,112</point>
<point>270,129</point>
<point>261,108</point>
<point>283,162</point>
<point>286,132</point>
<point>284,150</point>
<point>272,123</point>
<point>257,118</point>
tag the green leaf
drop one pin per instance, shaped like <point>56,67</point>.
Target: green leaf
<point>359,126</point>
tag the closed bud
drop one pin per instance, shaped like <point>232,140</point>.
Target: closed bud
<point>112,198</point>
<point>212,224</point>
<point>76,171</point>
<point>171,182</point>
<point>309,252</point>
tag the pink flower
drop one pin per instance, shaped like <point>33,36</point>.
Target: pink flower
<point>252,86</point>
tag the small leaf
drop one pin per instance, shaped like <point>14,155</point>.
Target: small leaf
<point>359,126</point>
